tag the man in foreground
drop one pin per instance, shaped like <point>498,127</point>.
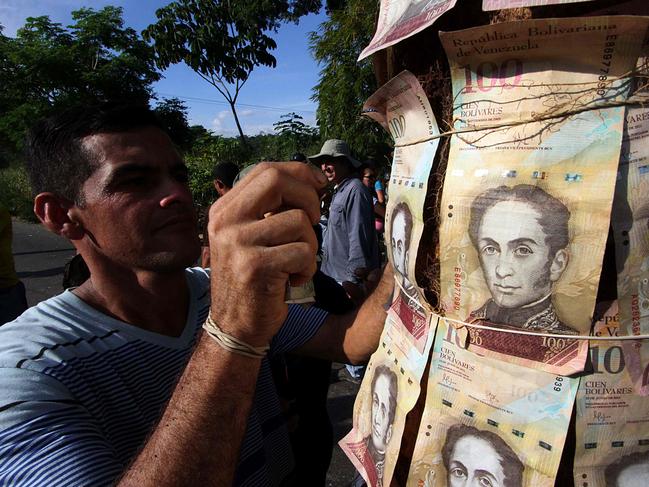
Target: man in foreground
<point>89,387</point>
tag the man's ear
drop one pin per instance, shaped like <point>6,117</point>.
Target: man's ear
<point>559,264</point>
<point>54,212</point>
<point>388,435</point>
<point>218,185</point>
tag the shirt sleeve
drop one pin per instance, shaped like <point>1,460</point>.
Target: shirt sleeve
<point>360,225</point>
<point>47,437</point>
<point>300,326</point>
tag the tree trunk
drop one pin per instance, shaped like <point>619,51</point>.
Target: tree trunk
<point>244,141</point>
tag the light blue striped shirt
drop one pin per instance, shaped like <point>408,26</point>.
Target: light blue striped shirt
<point>80,392</point>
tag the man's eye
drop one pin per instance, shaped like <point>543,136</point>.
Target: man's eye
<point>458,473</point>
<point>489,250</point>
<point>485,482</point>
<point>136,182</point>
<point>523,251</point>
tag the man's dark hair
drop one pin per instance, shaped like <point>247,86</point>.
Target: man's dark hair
<point>393,384</point>
<point>553,220</point>
<point>509,461</point>
<point>402,207</point>
<point>614,469</point>
<point>55,157</point>
<point>299,157</point>
<point>225,172</point>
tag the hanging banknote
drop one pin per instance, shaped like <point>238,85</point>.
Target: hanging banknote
<point>399,19</point>
<point>392,381</point>
<point>630,224</point>
<point>526,204</point>
<point>630,220</point>
<point>402,108</point>
<point>389,391</point>
<point>612,418</point>
<point>489,422</point>
<point>502,4</point>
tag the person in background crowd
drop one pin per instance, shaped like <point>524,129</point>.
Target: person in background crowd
<point>223,174</point>
<point>115,382</point>
<point>299,157</point>
<point>12,291</point>
<point>375,187</point>
<point>349,247</point>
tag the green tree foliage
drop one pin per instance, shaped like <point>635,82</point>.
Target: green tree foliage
<point>222,40</point>
<point>293,135</point>
<point>172,112</point>
<point>345,84</point>
<point>47,67</point>
<point>208,151</point>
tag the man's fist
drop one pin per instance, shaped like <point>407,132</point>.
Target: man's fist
<point>261,236</point>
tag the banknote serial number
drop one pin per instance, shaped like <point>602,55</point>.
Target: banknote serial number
<point>605,69</point>
<point>457,288</point>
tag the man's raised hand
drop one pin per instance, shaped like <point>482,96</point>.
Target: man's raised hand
<point>261,236</point>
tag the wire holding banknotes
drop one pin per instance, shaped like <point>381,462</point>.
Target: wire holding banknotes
<point>464,324</point>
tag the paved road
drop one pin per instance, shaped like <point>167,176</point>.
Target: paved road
<point>40,257</point>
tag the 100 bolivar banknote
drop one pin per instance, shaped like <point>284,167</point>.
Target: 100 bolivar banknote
<point>489,422</point>
<point>400,19</point>
<point>402,108</point>
<point>526,204</point>
<point>389,391</point>
<point>391,385</point>
<point>630,220</point>
<point>612,416</point>
<point>502,4</point>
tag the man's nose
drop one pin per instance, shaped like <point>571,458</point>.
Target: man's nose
<point>174,191</point>
<point>504,267</point>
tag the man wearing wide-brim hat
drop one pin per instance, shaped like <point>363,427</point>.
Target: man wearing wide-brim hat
<point>350,248</point>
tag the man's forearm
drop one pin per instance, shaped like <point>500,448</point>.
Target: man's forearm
<point>353,337</point>
<point>362,336</point>
<point>198,438</point>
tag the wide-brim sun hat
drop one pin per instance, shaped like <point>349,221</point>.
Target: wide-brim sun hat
<point>334,148</point>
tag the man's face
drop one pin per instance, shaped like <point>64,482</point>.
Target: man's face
<point>400,244</point>
<point>514,255</point>
<point>475,463</point>
<point>381,426</point>
<point>335,169</point>
<point>221,187</point>
<point>634,476</point>
<point>138,210</point>
<point>369,177</point>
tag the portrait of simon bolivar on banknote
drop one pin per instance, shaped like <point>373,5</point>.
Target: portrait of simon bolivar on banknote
<point>472,456</point>
<point>407,302</point>
<point>521,236</point>
<point>370,451</point>
<point>631,470</point>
